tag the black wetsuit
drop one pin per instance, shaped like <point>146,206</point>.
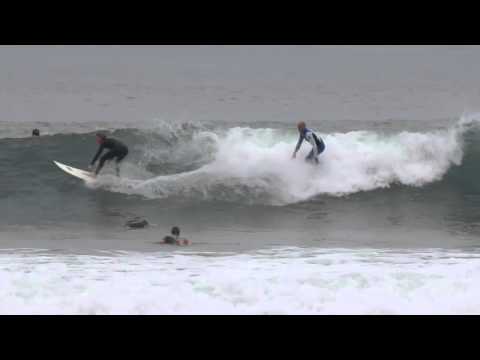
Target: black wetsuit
<point>117,149</point>
<point>169,240</point>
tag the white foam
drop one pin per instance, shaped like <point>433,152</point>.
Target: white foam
<point>281,281</point>
<point>255,165</point>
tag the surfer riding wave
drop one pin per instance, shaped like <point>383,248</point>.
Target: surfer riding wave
<point>317,143</point>
<point>118,151</point>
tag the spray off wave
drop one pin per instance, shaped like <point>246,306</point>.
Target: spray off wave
<point>254,165</point>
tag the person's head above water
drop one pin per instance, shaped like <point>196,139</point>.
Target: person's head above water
<point>174,238</point>
<point>36,132</point>
<point>101,138</point>
<point>301,126</point>
<point>175,231</point>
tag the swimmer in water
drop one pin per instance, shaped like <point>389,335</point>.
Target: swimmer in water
<point>174,238</point>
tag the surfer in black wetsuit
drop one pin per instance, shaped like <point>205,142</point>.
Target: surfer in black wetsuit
<point>118,150</point>
<point>174,239</point>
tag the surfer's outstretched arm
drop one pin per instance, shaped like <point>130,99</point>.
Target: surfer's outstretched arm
<point>100,149</point>
<point>299,143</point>
<point>109,155</point>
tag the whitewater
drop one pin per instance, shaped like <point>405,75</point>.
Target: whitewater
<point>254,165</point>
<point>275,281</point>
<point>388,223</point>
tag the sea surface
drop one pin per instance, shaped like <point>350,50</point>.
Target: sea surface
<point>388,223</point>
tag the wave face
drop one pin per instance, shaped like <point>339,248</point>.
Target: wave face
<point>253,165</point>
<point>215,174</point>
<point>250,166</point>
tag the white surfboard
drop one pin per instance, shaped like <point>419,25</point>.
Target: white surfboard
<point>81,174</point>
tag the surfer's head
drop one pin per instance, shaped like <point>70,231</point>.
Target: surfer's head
<point>301,126</point>
<point>35,132</point>
<point>100,138</point>
<point>175,231</point>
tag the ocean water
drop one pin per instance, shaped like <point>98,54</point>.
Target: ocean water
<point>388,223</point>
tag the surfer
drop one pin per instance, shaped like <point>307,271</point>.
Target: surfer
<point>317,143</point>
<point>35,132</point>
<point>118,150</point>
<point>174,240</point>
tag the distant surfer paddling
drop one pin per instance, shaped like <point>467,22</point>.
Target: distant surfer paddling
<point>118,151</point>
<point>174,239</point>
<point>317,143</point>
